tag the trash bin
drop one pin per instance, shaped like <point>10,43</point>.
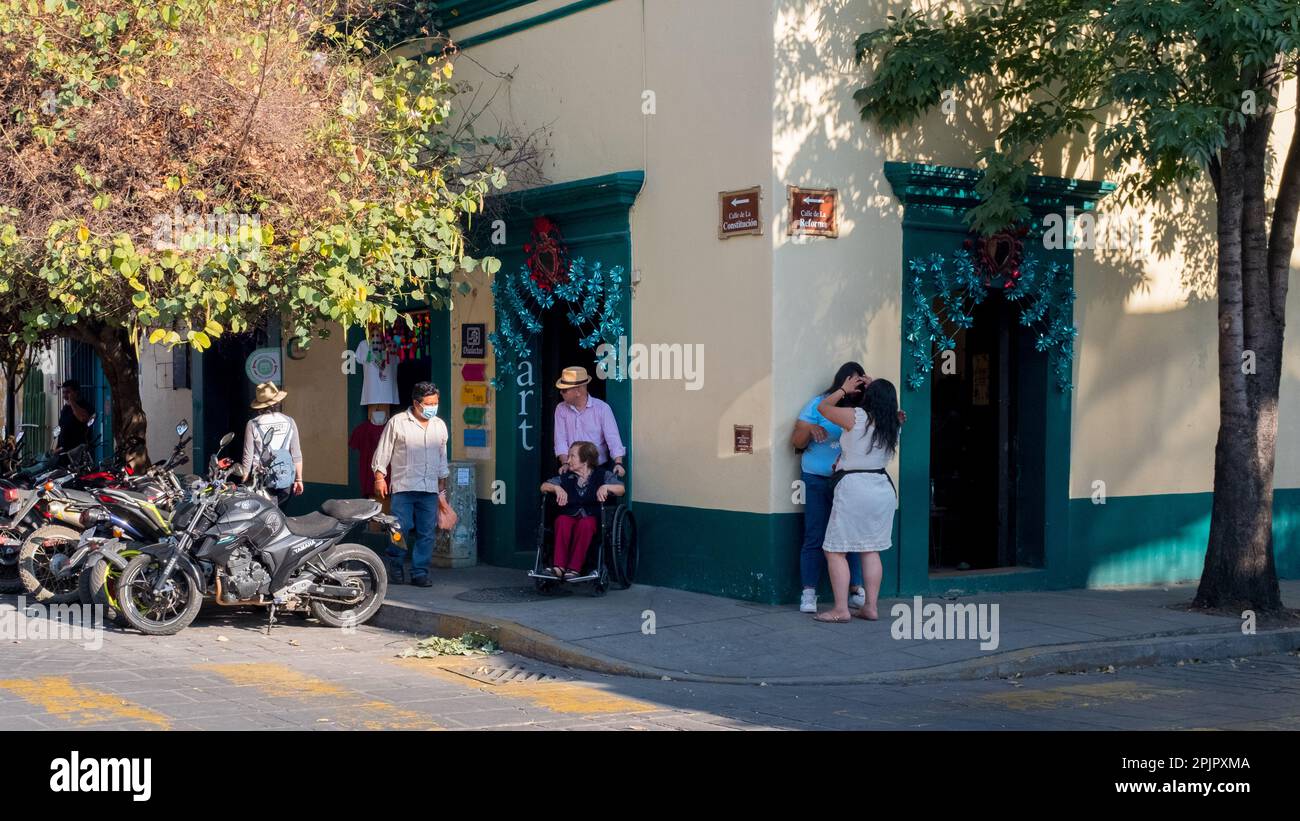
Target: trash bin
<point>459,547</point>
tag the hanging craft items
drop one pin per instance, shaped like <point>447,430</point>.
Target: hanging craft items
<point>403,341</point>
<point>548,256</point>
<point>589,295</point>
<point>945,292</point>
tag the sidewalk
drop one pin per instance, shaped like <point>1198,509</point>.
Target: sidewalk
<point>708,638</point>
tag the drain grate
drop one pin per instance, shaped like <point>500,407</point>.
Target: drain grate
<point>509,595</point>
<point>514,674</point>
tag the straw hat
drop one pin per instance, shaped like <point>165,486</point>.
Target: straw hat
<point>572,378</point>
<point>267,395</point>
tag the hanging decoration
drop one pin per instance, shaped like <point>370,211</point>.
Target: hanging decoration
<point>588,294</point>
<point>548,256</point>
<point>400,342</point>
<point>945,292</point>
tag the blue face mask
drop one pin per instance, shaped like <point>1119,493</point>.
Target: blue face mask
<point>429,411</point>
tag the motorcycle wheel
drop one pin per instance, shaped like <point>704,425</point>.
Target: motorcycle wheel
<point>98,586</point>
<point>166,614</point>
<point>373,585</point>
<point>40,554</point>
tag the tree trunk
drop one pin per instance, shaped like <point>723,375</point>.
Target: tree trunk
<point>1239,567</point>
<point>121,364</point>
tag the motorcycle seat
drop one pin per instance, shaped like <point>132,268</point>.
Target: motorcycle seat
<point>351,510</point>
<point>312,526</point>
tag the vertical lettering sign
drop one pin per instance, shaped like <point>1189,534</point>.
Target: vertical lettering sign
<point>738,212</point>
<point>813,212</point>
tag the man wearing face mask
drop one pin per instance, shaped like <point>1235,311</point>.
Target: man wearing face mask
<point>414,447</point>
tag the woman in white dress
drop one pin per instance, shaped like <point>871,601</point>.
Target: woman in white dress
<point>862,514</point>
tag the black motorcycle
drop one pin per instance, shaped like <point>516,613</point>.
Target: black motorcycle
<point>236,547</point>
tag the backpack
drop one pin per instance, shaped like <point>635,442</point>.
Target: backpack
<point>280,470</point>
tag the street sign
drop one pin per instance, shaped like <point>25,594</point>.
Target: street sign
<point>812,212</point>
<point>738,212</point>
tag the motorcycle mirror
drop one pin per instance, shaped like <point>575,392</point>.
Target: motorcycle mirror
<point>182,427</point>
<point>227,439</point>
<point>90,423</point>
<point>18,437</point>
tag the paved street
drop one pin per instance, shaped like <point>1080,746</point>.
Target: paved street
<point>224,673</point>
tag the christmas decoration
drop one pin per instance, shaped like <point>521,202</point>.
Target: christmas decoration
<point>945,292</point>
<point>588,294</point>
<point>548,256</point>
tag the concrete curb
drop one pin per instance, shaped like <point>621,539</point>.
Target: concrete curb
<point>1029,661</point>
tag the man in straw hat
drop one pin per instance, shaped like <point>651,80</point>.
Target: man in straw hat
<point>283,454</point>
<point>581,417</point>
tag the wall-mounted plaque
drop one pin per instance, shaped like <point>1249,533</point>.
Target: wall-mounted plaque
<point>812,212</point>
<point>738,212</point>
<point>744,438</point>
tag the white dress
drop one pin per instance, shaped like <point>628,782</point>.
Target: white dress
<point>378,387</point>
<point>862,515</point>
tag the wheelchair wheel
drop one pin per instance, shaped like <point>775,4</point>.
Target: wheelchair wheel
<point>623,548</point>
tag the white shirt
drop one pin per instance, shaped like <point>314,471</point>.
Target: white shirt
<point>417,453</point>
<point>378,385</point>
<point>858,449</point>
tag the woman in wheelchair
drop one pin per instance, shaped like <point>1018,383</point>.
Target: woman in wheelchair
<point>579,492</point>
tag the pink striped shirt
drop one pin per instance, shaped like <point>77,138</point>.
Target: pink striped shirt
<point>595,423</point>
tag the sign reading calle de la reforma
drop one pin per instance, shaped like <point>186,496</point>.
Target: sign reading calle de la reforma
<point>738,213</point>
<point>812,212</point>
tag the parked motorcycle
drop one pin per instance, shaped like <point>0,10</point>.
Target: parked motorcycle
<point>236,547</point>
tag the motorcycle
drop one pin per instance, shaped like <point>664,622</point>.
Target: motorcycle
<point>235,546</point>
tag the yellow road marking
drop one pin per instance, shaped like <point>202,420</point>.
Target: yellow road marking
<point>58,696</point>
<point>556,696</point>
<point>281,681</point>
<point>1078,695</point>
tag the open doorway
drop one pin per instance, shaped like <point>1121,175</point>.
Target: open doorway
<point>559,349</point>
<point>983,497</point>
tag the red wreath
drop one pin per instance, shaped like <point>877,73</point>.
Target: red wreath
<point>998,256</point>
<point>548,256</point>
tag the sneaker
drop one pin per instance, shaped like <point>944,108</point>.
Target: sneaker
<point>808,602</point>
<point>422,581</point>
<point>858,600</point>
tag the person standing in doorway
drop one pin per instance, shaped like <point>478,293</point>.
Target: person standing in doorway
<point>414,447</point>
<point>74,417</point>
<point>281,455</point>
<point>581,417</point>
<point>819,440</point>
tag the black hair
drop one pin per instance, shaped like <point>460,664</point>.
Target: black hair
<point>846,370</point>
<point>421,390</point>
<point>880,401</point>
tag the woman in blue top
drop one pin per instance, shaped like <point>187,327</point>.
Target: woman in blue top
<point>819,440</point>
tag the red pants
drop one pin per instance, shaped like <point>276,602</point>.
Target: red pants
<point>573,535</point>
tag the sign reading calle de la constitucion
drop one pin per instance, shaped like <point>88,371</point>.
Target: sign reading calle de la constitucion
<point>738,212</point>
<point>812,212</point>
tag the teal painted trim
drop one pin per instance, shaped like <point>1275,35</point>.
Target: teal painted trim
<point>199,464</point>
<point>1143,540</point>
<point>951,187</point>
<point>531,22</point>
<point>453,14</point>
<point>593,214</point>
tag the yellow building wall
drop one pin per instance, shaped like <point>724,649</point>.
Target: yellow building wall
<point>752,92</point>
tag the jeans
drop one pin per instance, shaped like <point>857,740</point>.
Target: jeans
<point>818,498</point>
<point>417,512</point>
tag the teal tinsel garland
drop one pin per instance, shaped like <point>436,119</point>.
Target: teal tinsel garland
<point>590,297</point>
<point>1043,292</point>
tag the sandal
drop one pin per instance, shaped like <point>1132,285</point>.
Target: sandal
<point>821,617</point>
<point>570,575</point>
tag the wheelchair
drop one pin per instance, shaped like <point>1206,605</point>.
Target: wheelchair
<point>611,558</point>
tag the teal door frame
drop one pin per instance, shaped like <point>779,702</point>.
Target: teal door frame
<point>593,215</point>
<point>935,200</point>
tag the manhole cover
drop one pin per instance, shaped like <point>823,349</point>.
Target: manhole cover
<point>508,595</point>
<point>514,674</point>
